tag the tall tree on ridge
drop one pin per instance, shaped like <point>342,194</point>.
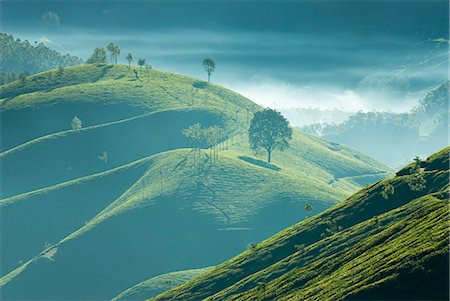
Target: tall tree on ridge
<point>209,66</point>
<point>269,130</point>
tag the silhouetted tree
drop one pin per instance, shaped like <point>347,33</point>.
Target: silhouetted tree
<point>141,62</point>
<point>269,130</point>
<point>308,208</point>
<point>98,57</point>
<point>129,59</point>
<point>209,66</point>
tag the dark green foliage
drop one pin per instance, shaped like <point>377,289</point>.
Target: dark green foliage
<point>20,56</point>
<point>210,66</point>
<point>269,130</point>
<point>388,190</point>
<point>141,62</point>
<point>98,57</point>
<point>416,179</point>
<point>129,59</point>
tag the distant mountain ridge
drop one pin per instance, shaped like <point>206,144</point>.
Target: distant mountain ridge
<point>391,137</point>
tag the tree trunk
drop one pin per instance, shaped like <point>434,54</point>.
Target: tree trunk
<point>209,76</point>
<point>268,156</point>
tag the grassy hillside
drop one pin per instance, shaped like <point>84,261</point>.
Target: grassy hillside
<point>154,205</point>
<point>365,248</point>
<point>158,284</point>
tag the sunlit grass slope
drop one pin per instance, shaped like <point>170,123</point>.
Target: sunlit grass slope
<point>191,210</point>
<point>104,93</point>
<point>158,284</point>
<point>154,205</point>
<point>130,114</point>
<point>365,248</point>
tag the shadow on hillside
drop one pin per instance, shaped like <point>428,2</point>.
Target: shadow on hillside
<point>200,84</point>
<point>259,163</point>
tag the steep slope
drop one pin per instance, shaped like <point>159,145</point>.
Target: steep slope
<point>364,248</point>
<point>151,205</point>
<point>188,207</point>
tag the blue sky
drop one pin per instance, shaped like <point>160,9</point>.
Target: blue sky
<point>351,55</point>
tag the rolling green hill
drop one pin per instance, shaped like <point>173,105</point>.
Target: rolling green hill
<point>368,247</point>
<point>154,205</point>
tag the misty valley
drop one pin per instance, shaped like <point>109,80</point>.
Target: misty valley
<point>187,150</point>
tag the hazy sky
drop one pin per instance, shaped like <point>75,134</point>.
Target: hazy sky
<point>351,55</point>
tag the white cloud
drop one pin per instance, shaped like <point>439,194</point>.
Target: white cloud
<point>281,95</point>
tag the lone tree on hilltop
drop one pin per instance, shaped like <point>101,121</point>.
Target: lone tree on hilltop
<point>269,130</point>
<point>129,59</point>
<point>98,57</point>
<point>209,66</point>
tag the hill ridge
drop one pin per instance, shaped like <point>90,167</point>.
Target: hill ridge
<point>288,267</point>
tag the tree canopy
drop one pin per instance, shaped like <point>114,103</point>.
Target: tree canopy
<point>98,57</point>
<point>209,65</point>
<point>114,52</point>
<point>269,131</point>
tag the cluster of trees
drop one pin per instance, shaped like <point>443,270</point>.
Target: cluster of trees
<point>268,131</point>
<point>21,58</point>
<point>210,136</point>
<point>99,56</point>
